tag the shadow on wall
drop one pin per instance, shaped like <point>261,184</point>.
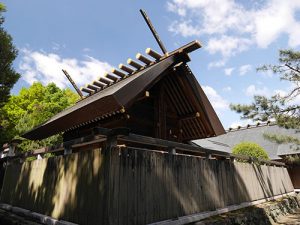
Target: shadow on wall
<point>130,186</point>
<point>62,187</point>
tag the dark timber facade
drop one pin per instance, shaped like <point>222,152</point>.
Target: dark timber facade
<point>159,98</point>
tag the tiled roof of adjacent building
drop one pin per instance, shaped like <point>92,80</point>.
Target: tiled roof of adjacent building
<point>254,133</point>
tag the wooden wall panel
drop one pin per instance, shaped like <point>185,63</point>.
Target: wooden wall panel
<point>129,186</point>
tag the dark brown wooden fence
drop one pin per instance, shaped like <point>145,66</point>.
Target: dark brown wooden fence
<point>294,172</point>
<point>135,186</point>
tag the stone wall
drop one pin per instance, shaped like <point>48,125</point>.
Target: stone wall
<point>264,214</point>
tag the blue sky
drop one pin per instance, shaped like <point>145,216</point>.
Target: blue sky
<point>89,37</point>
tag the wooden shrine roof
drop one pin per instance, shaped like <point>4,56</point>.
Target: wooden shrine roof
<point>116,98</point>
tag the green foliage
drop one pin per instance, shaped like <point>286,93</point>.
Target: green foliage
<point>45,156</point>
<point>281,139</point>
<point>280,108</point>
<point>28,145</point>
<point>295,160</point>
<point>8,76</point>
<point>48,155</point>
<point>30,159</point>
<point>2,9</point>
<point>31,107</point>
<point>250,149</point>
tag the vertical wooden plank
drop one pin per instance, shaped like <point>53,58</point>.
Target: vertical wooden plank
<point>131,187</point>
<point>198,183</point>
<point>143,193</point>
<point>114,186</point>
<point>205,187</point>
<point>149,188</point>
<point>139,195</point>
<point>238,181</point>
<point>123,212</point>
<point>256,182</point>
<point>224,183</point>
<point>174,186</point>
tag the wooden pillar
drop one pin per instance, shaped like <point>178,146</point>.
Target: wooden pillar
<point>67,150</point>
<point>161,111</point>
<point>172,150</point>
<point>110,145</point>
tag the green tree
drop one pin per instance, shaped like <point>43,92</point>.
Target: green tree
<point>250,149</point>
<point>278,107</point>
<point>8,76</point>
<point>31,107</point>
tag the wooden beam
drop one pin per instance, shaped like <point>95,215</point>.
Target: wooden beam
<point>153,54</point>
<point>146,95</point>
<point>98,84</point>
<point>190,116</point>
<point>93,87</point>
<point>105,81</point>
<point>118,73</point>
<point>143,59</point>
<point>134,64</point>
<point>111,77</point>
<point>126,68</point>
<point>164,143</point>
<point>190,47</point>
<point>153,31</point>
<point>73,83</point>
<point>87,90</point>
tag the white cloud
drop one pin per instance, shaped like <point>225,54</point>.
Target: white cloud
<point>266,74</point>
<point>276,18</point>
<point>228,71</point>
<point>227,45</point>
<point>294,99</point>
<point>227,89</point>
<point>173,8</point>
<point>245,69</point>
<point>264,91</point>
<point>253,90</point>
<point>213,15</point>
<point>261,23</point>
<point>184,28</point>
<point>219,63</point>
<point>46,68</point>
<point>216,100</point>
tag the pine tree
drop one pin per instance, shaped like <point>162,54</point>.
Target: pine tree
<point>278,107</point>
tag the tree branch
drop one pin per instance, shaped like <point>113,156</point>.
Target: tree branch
<point>292,68</point>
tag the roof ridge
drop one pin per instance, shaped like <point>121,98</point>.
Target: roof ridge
<point>117,75</point>
<point>133,67</point>
<point>250,126</point>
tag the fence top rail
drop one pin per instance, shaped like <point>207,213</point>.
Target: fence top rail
<point>101,134</point>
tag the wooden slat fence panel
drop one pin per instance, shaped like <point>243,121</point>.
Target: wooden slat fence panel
<point>129,186</point>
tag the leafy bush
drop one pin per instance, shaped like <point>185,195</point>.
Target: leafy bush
<point>250,149</point>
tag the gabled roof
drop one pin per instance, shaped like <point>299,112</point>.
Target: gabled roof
<point>255,134</point>
<point>118,96</point>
